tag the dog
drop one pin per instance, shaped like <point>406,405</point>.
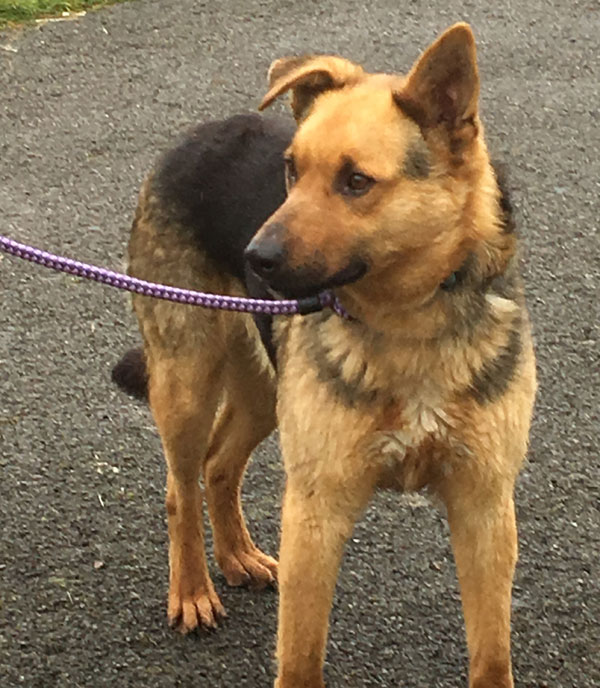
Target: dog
<point>384,193</point>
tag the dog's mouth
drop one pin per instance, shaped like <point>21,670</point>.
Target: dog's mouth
<point>348,275</point>
<point>306,282</point>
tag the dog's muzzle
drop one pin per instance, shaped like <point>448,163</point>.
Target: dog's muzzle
<point>268,257</point>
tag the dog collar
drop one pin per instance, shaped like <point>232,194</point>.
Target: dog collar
<point>456,278</point>
<point>451,281</point>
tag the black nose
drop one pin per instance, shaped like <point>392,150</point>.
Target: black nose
<point>265,256</point>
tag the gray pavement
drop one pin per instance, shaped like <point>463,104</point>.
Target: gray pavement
<point>85,107</point>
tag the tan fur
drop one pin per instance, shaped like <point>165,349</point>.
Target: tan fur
<point>429,432</point>
<point>308,77</point>
<point>412,393</point>
<point>198,395</point>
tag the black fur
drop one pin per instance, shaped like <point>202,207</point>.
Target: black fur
<point>130,374</point>
<point>350,392</point>
<point>508,284</point>
<point>506,207</point>
<point>417,164</point>
<point>496,374</point>
<point>223,181</point>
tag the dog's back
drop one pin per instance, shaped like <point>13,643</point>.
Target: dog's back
<point>222,182</point>
<point>210,192</point>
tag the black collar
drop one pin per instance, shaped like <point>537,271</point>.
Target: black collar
<point>456,278</point>
<point>450,283</point>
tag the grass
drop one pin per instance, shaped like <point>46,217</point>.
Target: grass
<point>19,11</point>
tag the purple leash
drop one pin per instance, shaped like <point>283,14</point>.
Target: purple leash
<point>303,306</point>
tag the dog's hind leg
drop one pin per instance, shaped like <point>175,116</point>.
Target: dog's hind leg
<point>184,393</point>
<point>247,416</point>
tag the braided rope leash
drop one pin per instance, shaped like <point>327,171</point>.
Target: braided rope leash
<point>241,304</point>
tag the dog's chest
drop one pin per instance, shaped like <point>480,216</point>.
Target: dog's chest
<point>396,394</point>
<point>412,442</point>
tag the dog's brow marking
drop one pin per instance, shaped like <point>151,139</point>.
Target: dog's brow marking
<point>496,374</point>
<point>416,162</point>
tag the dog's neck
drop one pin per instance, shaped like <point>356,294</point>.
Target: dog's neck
<point>379,368</point>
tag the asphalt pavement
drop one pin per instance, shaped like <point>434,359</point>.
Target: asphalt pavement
<point>85,107</point>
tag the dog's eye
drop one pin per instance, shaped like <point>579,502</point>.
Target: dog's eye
<point>358,184</point>
<point>291,175</point>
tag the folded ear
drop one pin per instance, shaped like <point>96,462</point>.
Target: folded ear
<point>307,77</point>
<point>443,85</point>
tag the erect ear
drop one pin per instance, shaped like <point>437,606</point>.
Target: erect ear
<point>307,77</point>
<point>443,85</point>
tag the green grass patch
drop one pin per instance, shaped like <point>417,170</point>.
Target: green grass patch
<point>18,11</point>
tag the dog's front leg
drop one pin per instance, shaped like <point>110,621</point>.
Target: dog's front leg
<point>318,516</point>
<point>484,539</point>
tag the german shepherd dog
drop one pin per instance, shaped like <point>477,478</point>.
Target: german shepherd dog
<point>393,204</point>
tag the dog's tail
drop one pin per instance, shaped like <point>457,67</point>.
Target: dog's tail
<point>131,374</point>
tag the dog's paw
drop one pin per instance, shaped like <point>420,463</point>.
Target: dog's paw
<point>200,610</point>
<point>248,567</point>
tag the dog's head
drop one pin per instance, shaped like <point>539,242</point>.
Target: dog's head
<point>380,175</point>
